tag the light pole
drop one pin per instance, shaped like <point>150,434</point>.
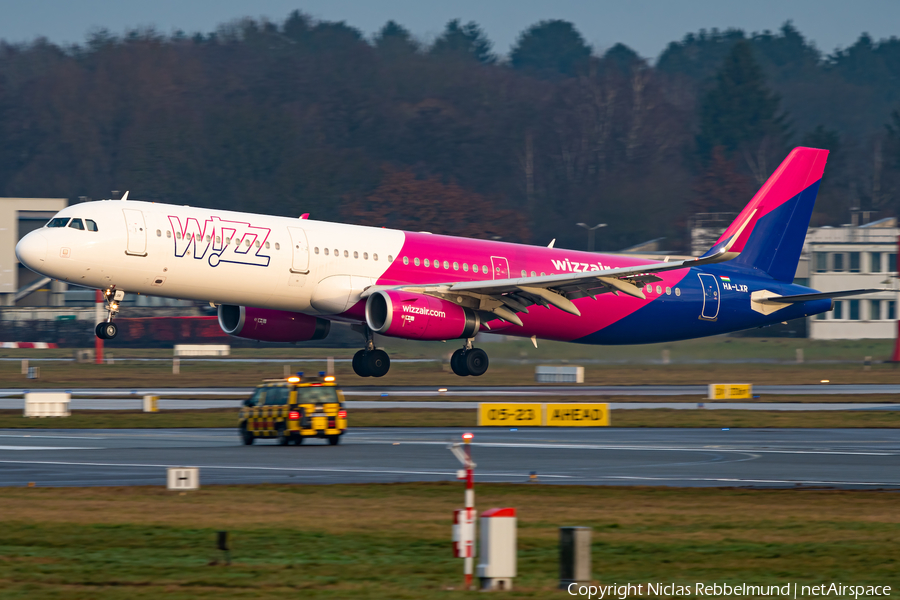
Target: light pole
<point>591,231</point>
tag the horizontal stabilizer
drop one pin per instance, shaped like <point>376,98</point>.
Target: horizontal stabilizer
<point>816,296</point>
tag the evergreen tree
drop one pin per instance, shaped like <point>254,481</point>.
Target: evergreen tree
<point>395,40</point>
<point>467,41</point>
<point>622,57</point>
<point>741,114</point>
<point>551,48</point>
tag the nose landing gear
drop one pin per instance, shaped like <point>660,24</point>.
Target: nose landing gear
<point>371,362</point>
<point>469,361</point>
<point>107,330</point>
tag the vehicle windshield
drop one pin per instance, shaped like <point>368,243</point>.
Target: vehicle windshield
<point>316,395</point>
<point>256,398</point>
<point>76,224</point>
<point>58,222</point>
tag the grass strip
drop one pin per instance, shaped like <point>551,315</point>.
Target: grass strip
<point>129,375</point>
<point>392,540</point>
<point>424,417</point>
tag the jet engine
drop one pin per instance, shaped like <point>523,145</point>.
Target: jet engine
<point>416,316</point>
<point>269,325</point>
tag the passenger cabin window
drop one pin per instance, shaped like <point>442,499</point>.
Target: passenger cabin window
<point>77,224</point>
<point>91,225</point>
<point>58,222</point>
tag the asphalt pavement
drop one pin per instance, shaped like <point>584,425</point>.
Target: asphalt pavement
<point>829,458</point>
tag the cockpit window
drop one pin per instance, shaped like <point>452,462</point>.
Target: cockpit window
<point>76,224</point>
<point>91,226</point>
<point>58,222</point>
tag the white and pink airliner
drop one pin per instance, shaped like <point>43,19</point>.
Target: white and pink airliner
<point>284,279</point>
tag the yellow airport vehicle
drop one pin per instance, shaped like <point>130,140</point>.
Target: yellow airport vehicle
<point>293,409</point>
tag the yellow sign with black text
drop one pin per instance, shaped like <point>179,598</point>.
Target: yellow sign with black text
<point>510,414</point>
<point>577,415</point>
<point>730,391</point>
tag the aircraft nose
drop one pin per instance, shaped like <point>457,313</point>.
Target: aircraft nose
<point>32,250</point>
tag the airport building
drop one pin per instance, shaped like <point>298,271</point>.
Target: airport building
<point>855,256</point>
<point>18,285</point>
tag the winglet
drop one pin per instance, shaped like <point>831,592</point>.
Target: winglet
<point>125,197</point>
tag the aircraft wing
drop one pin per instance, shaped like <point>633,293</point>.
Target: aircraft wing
<point>503,298</point>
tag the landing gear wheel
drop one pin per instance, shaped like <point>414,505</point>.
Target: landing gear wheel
<point>360,364</point>
<point>476,362</point>
<point>378,363</point>
<point>247,437</point>
<point>282,435</point>
<point>334,440</point>
<point>458,363</point>
<point>106,331</point>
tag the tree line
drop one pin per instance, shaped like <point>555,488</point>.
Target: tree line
<point>450,137</point>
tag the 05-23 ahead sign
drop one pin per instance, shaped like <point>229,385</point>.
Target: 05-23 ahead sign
<point>577,415</point>
<point>524,414</point>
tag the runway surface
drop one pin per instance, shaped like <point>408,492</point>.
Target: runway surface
<point>840,458</point>
<point>77,404</point>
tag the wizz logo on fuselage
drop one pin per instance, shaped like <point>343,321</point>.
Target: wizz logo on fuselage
<point>577,267</point>
<point>221,241</point>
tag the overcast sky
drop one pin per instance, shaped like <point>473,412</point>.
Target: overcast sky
<point>645,25</point>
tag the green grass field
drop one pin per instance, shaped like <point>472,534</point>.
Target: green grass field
<point>69,374</point>
<point>417,417</point>
<point>392,541</point>
<point>714,348</point>
<point>514,362</point>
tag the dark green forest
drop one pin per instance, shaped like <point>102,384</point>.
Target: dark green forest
<point>448,136</point>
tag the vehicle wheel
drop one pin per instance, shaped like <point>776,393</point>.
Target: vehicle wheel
<point>334,440</point>
<point>360,364</point>
<point>282,435</point>
<point>247,437</point>
<point>476,362</point>
<point>458,363</point>
<point>298,440</point>
<point>378,363</point>
<point>98,331</point>
<point>110,330</point>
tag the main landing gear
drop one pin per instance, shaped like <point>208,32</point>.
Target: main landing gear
<point>469,361</point>
<point>371,362</point>
<point>107,330</point>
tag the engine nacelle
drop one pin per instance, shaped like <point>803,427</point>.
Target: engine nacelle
<point>269,325</point>
<point>419,317</point>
